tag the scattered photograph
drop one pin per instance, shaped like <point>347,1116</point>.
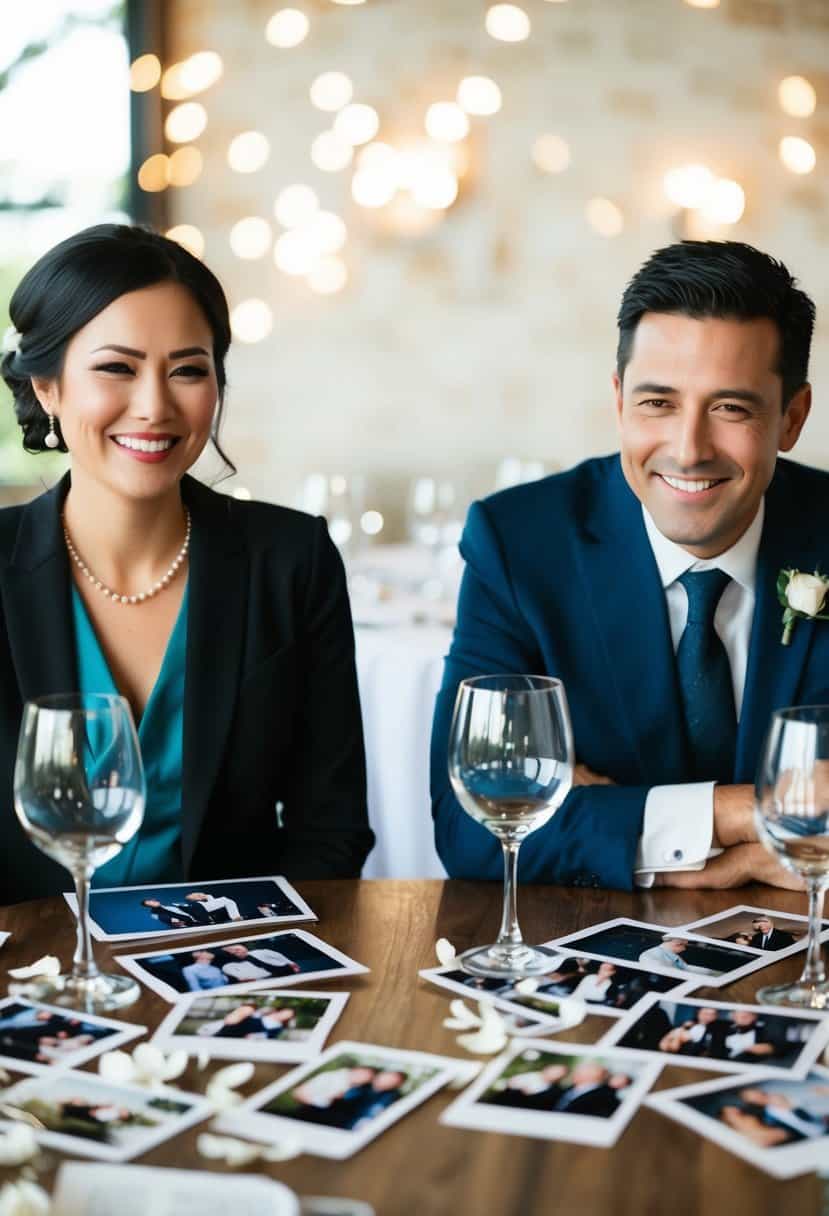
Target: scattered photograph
<point>722,1036</point>
<point>275,1026</point>
<point>36,1037</point>
<point>757,928</point>
<point>556,1091</point>
<point>337,1104</point>
<point>80,1113</point>
<point>666,951</point>
<point>781,1125</point>
<point>178,909</point>
<point>606,988</point>
<point>291,956</point>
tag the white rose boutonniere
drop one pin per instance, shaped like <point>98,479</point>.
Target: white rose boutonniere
<point>802,595</point>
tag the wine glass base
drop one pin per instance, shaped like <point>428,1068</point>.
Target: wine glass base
<point>796,996</point>
<point>508,962</point>
<point>99,994</point>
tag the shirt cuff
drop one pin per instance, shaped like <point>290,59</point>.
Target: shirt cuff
<point>677,830</point>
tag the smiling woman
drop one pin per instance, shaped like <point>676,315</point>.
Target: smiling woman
<point>224,623</point>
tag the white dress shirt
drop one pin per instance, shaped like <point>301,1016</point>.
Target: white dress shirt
<point>679,819</point>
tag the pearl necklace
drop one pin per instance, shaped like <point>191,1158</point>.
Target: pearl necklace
<point>163,582</point>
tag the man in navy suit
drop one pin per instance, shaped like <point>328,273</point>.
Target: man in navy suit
<point>588,576</point>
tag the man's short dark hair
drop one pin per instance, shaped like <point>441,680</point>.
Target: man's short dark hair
<point>728,280</point>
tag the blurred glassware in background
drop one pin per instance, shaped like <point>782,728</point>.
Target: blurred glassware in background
<point>434,520</point>
<point>513,471</point>
<point>341,500</point>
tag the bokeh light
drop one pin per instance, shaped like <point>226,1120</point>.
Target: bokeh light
<point>295,205</point>
<point>479,95</point>
<point>145,73</point>
<point>797,154</point>
<point>189,236</point>
<point>551,153</point>
<point>251,237</point>
<point>507,23</point>
<point>445,120</point>
<point>251,320</point>
<point>331,91</point>
<point>185,123</point>
<point>605,217</point>
<point>248,152</point>
<point>287,28</point>
<point>331,152</point>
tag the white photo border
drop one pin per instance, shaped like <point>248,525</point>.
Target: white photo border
<point>200,1108</point>
<point>125,1033</point>
<point>467,1111</point>
<point>806,1057</point>
<point>347,966</point>
<point>761,958</point>
<point>248,1120</point>
<point>270,1051</point>
<point>304,912</point>
<point>784,1161</point>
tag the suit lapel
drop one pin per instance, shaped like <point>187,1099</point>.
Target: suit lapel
<point>36,590</point>
<point>628,602</point>
<point>774,671</point>
<point>217,603</point>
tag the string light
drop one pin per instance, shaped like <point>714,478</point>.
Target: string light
<point>331,91</point>
<point>193,75</point>
<point>445,120</point>
<point>725,202</point>
<point>605,217</point>
<point>797,96</point>
<point>331,152</point>
<point>295,205</point>
<point>357,123</point>
<point>507,23</point>
<point>328,276</point>
<point>797,154</point>
<point>436,190</point>
<point>326,232</point>
<point>294,253</point>
<point>186,166</point>
<point>251,320</point>
<point>251,237</point>
<point>479,95</point>
<point>689,185</point>
<point>374,187</point>
<point>371,522</point>
<point>189,236</point>
<point>145,73</point>
<point>551,153</point>
<point>154,174</point>
<point>287,28</point>
<point>248,152</point>
<point>185,123</point>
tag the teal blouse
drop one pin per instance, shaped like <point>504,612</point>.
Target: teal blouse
<point>154,853</point>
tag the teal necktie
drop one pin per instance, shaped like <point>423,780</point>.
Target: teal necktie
<point>705,681</point>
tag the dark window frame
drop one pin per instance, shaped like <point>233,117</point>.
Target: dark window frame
<point>144,29</point>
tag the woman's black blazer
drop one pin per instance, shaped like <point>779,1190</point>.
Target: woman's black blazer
<point>271,709</point>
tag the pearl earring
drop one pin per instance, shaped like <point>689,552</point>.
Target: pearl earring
<point>51,440</point>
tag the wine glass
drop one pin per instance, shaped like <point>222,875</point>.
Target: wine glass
<point>511,766</point>
<point>79,793</point>
<point>792,816</point>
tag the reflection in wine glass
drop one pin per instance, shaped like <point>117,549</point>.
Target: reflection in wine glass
<point>511,767</point>
<point>79,793</point>
<point>792,815</point>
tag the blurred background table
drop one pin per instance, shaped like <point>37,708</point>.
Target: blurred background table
<point>421,1167</point>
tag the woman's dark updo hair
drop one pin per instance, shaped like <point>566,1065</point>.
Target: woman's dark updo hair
<point>81,277</point>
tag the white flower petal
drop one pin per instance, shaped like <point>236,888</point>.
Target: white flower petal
<point>117,1067</point>
<point>24,1199</point>
<point>484,1042</point>
<point>227,1148</point>
<point>17,1144</point>
<point>457,1024</point>
<point>48,965</point>
<point>462,1079</point>
<point>150,1061</point>
<point>233,1076</point>
<point>463,1013</point>
<point>445,951</point>
<point>174,1065</point>
<point>221,1097</point>
<point>283,1150</point>
<point>527,986</point>
<point>490,1015</point>
<point>203,1059</point>
<point>571,1011</point>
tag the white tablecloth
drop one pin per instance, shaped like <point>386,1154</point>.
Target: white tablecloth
<point>399,670</point>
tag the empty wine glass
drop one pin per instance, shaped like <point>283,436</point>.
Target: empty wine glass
<point>511,767</point>
<point>792,815</point>
<point>79,793</point>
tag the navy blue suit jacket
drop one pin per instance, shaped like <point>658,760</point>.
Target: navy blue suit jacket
<point>561,580</point>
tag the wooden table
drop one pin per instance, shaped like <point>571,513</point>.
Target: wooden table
<point>421,1168</point>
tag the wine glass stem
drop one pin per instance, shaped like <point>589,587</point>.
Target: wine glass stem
<point>814,972</point>
<point>510,933</point>
<point>83,962</point>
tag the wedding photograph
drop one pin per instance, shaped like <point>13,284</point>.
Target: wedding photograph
<point>758,928</point>
<point>275,1026</point>
<point>723,1037</point>
<point>556,1091</point>
<point>667,951</point>
<point>36,1037</point>
<point>267,960</point>
<point>779,1125</point>
<point>347,1097</point>
<point>81,1114</point>
<point>123,913</point>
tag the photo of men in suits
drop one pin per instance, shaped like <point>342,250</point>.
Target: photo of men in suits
<point>769,1113</point>
<point>584,1085</point>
